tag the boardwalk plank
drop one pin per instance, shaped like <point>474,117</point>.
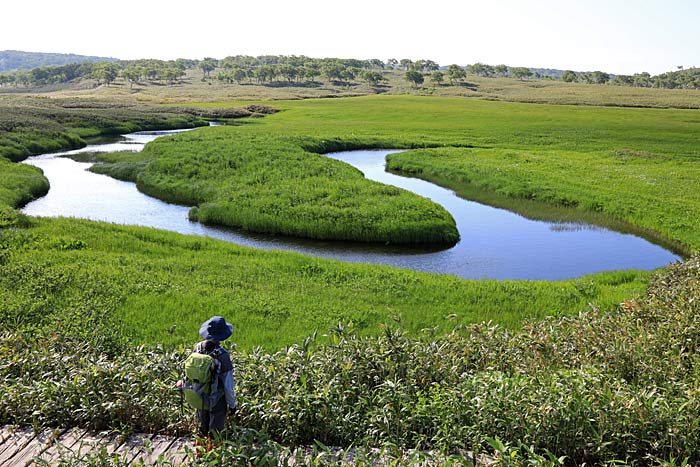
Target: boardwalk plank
<point>112,442</point>
<point>90,443</point>
<point>19,441</point>
<point>6,433</point>
<point>62,445</point>
<point>176,454</point>
<point>24,447</point>
<point>36,446</point>
<point>133,447</point>
<point>159,445</point>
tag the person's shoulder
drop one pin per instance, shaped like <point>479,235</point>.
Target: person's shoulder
<point>222,353</point>
<point>225,358</point>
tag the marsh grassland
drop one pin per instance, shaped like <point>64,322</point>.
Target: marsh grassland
<point>613,162</point>
<point>602,369</point>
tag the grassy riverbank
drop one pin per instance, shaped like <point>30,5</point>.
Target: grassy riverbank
<point>19,184</point>
<point>625,185</point>
<point>31,125</point>
<point>268,183</point>
<point>162,285</point>
<point>612,161</point>
<point>630,165</point>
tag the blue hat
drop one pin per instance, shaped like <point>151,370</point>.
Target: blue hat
<point>216,329</point>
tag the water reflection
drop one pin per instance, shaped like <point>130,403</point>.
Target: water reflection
<point>495,243</point>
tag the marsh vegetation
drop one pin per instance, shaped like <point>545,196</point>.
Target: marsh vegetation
<point>94,317</point>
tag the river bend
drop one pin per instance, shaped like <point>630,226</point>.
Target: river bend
<point>495,243</point>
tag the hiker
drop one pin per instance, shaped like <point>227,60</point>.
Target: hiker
<point>218,395</point>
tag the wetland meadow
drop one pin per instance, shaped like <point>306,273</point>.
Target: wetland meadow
<point>597,368</point>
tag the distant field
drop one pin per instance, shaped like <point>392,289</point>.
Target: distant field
<point>192,89</point>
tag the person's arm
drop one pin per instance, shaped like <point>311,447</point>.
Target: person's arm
<point>229,389</point>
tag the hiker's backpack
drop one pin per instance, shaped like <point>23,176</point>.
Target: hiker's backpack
<point>201,371</point>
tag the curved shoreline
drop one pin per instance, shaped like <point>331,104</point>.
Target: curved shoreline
<point>467,259</point>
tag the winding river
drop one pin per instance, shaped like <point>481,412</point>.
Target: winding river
<point>495,243</point>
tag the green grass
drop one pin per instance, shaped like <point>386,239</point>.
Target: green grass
<point>76,297</point>
<point>31,125</point>
<point>651,192</point>
<point>635,166</point>
<point>19,184</point>
<point>270,184</point>
<point>152,280</point>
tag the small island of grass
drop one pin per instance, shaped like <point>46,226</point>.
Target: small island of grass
<point>271,184</point>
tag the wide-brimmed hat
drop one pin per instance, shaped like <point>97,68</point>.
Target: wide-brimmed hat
<point>216,329</point>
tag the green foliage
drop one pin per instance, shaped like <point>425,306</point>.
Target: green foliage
<point>520,72</point>
<point>415,77</point>
<point>373,78</point>
<point>681,79</point>
<point>20,184</point>
<point>593,388</point>
<point>12,218</point>
<point>456,74</point>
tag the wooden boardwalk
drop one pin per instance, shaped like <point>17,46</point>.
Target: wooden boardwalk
<point>21,447</point>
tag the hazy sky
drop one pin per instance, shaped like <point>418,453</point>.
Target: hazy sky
<point>617,36</point>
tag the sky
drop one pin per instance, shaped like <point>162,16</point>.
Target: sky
<point>615,36</point>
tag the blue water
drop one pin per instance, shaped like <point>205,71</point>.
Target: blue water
<point>495,243</point>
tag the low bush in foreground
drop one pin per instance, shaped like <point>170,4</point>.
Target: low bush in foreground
<point>595,388</point>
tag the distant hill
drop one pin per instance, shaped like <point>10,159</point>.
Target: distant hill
<point>12,60</point>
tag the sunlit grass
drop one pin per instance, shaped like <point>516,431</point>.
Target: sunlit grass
<point>649,191</point>
<point>20,184</point>
<point>153,281</point>
<point>635,166</point>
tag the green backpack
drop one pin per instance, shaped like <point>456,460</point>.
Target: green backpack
<point>200,372</point>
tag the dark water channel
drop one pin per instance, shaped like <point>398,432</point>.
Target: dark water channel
<point>495,243</point>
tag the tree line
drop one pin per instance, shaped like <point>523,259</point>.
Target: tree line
<point>296,70</point>
<point>680,79</point>
<point>132,71</point>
